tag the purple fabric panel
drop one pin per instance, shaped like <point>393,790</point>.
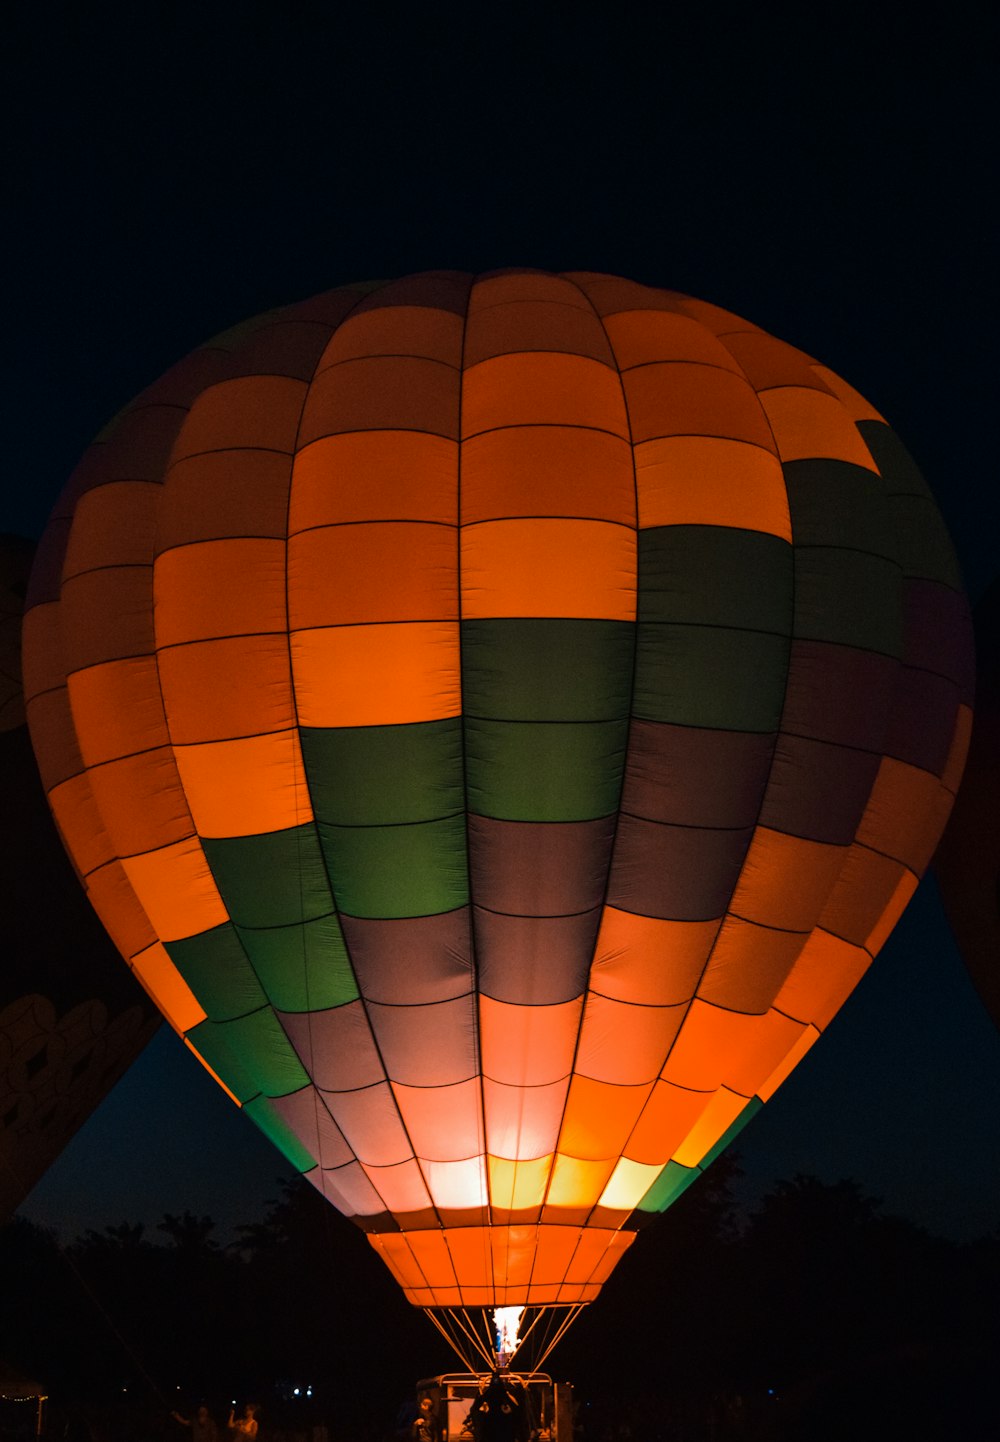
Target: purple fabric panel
<point>440,289</point>
<point>336,1047</point>
<point>817,790</point>
<point>690,776</point>
<point>427,1046</point>
<point>937,635</point>
<point>413,960</point>
<point>679,873</point>
<point>306,1115</point>
<point>923,720</point>
<point>535,961</point>
<point>839,694</point>
<point>539,868</point>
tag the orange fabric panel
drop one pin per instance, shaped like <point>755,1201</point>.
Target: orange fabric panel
<point>708,1046</point>
<point>905,814</point>
<point>374,476</point>
<point>168,988</point>
<point>894,909</point>
<point>827,971</point>
<point>748,965</point>
<point>80,824</point>
<point>175,888</point>
<point>236,493</point>
<point>710,481</point>
<point>251,412</point>
<point>807,423</point>
<point>110,893</point>
<point>786,880</point>
<point>471,1255</point>
<point>648,961</point>
<point>457,1186</point>
<point>213,1074</point>
<point>527,1045</point>
<point>54,738</point>
<point>549,471</point>
<point>668,1117</point>
<point>113,525</point>
<point>955,764</point>
<point>411,330</point>
<point>518,1186</point>
<point>856,406</point>
<point>443,1122</point>
<point>715,1120</point>
<point>576,1184</point>
<point>865,888</point>
<point>514,1254</point>
<point>541,388</point>
<point>519,326</point>
<point>676,398</point>
<point>141,801</point>
<point>548,567</point>
<point>401,1186</point>
<point>506,289</point>
<point>768,362</point>
<point>218,690</point>
<point>245,787</point>
<point>720,322</point>
<point>599,1118</point>
<point>598,1251</point>
<point>394,1249</point>
<point>643,337</point>
<point>629,1183</point>
<point>372,571</point>
<point>609,294</point>
<point>398,393</point>
<point>522,1123</point>
<point>118,709</point>
<point>773,1037</point>
<point>219,588</point>
<point>377,675</point>
<point>431,1254</point>
<point>789,1062</point>
<point>625,1044</point>
<point>91,602</point>
<point>41,650</point>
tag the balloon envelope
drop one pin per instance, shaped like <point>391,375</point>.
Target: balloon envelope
<point>499,719</point>
<point>71,1018</point>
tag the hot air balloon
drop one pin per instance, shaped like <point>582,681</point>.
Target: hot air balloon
<point>72,1020</point>
<point>499,719</point>
<point>967,863</point>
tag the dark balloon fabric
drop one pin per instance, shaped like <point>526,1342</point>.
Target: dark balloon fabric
<point>72,1020</point>
<point>499,719</point>
<point>967,863</point>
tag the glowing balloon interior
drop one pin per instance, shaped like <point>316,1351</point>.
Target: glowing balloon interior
<point>499,720</point>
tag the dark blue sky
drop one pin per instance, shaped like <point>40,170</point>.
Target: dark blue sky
<point>823,176</point>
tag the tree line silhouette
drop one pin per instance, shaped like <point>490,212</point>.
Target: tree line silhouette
<point>816,1316</point>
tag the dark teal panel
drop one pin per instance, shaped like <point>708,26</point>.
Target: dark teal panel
<point>748,1113</point>
<point>672,1181</point>
<point>383,775</point>
<point>522,771</point>
<point>850,598</point>
<point>710,676</point>
<point>394,871</point>
<point>894,461</point>
<point>835,503</point>
<point>546,669</point>
<point>277,879</point>
<point>923,544</point>
<point>715,576</point>
<point>302,968</point>
<point>216,968</point>
<point>277,1130</point>
<point>251,1054</point>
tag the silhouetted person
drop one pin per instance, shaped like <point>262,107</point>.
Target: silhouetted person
<point>202,1424</point>
<point>244,1429</point>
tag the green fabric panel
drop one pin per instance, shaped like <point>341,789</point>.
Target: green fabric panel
<point>849,598</point>
<point>835,503</point>
<point>925,549</point>
<point>523,771</point>
<point>215,967</point>
<point>255,1050</point>
<point>748,1113</point>
<point>384,775</point>
<point>276,879</point>
<point>717,677</point>
<point>260,1111</point>
<point>302,968</point>
<point>894,461</point>
<point>715,576</point>
<point>396,871</point>
<point>546,669</point>
<point>672,1181</point>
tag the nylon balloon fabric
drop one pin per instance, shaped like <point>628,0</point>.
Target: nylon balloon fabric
<point>499,719</point>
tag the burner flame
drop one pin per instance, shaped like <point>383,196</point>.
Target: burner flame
<point>507,1321</point>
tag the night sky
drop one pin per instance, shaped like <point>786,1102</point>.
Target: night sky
<point>176,170</point>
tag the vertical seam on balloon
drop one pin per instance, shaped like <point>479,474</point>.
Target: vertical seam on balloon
<point>317,1099</point>
<point>628,731</point>
<point>476,994</point>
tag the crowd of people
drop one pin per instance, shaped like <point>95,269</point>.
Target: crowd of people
<point>204,1427</point>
